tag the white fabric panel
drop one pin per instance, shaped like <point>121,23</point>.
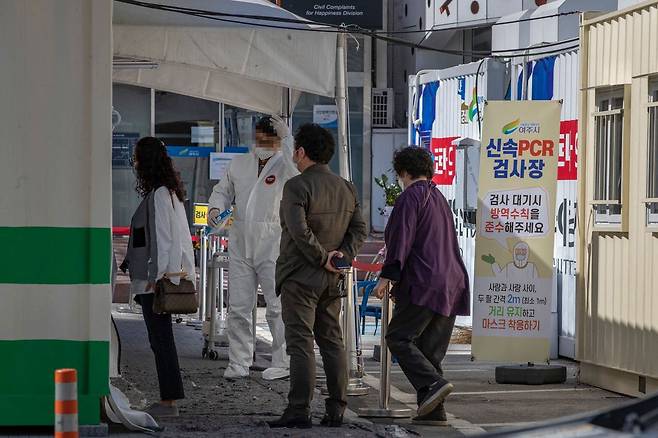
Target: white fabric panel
<point>288,58</point>
<point>130,14</point>
<point>294,98</point>
<point>207,84</point>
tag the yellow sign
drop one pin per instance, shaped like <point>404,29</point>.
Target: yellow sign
<point>516,222</point>
<point>200,215</point>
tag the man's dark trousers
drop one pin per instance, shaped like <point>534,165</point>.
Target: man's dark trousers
<point>419,339</point>
<point>314,314</point>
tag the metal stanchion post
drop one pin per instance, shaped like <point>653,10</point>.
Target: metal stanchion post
<point>212,353</point>
<point>197,323</point>
<point>220,314</point>
<point>360,366</point>
<point>206,292</point>
<point>222,311</point>
<point>210,285</point>
<point>355,385</point>
<point>348,321</point>
<point>384,410</point>
<point>203,275</point>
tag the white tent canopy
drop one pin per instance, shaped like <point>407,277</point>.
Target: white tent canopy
<point>241,65</point>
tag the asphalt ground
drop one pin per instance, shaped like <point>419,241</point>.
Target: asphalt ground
<point>479,404</point>
<point>216,407</point>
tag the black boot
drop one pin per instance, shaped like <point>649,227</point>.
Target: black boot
<point>332,420</point>
<point>292,420</point>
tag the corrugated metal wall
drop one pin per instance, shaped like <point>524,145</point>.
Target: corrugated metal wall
<point>618,322</point>
<point>623,46</point>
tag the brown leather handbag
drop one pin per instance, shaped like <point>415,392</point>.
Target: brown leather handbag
<point>173,298</point>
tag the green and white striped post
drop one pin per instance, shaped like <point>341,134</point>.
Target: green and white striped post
<point>55,206</point>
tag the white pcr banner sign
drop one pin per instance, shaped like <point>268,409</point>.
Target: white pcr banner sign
<point>516,224</point>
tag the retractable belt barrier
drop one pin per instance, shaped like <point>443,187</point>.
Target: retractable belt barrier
<point>367,267</point>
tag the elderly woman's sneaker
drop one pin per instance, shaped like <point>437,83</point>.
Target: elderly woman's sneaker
<point>159,410</point>
<point>435,395</point>
<point>437,417</point>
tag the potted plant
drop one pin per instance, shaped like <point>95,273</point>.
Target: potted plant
<point>391,193</point>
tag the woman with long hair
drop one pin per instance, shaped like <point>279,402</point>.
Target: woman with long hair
<point>160,244</point>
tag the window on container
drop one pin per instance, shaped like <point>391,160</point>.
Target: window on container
<point>609,122</point>
<point>652,175</point>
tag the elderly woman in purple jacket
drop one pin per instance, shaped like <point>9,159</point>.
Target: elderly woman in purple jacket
<point>430,283</point>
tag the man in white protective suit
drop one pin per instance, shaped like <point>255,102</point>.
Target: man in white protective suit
<point>254,181</point>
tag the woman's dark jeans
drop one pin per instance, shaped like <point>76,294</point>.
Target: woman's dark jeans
<point>161,337</point>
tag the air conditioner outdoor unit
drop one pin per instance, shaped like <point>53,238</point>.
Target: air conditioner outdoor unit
<point>382,107</point>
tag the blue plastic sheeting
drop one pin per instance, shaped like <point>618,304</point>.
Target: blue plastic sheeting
<point>541,74</point>
<point>428,105</point>
<point>542,79</point>
<point>519,84</point>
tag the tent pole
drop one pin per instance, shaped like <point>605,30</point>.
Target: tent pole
<point>285,105</point>
<point>355,386</point>
<point>341,104</point>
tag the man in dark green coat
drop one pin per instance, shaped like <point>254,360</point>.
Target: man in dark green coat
<point>320,220</point>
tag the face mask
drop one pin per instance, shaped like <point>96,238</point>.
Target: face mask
<point>264,153</point>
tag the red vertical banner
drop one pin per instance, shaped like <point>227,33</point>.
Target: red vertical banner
<point>444,160</point>
<point>567,167</point>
